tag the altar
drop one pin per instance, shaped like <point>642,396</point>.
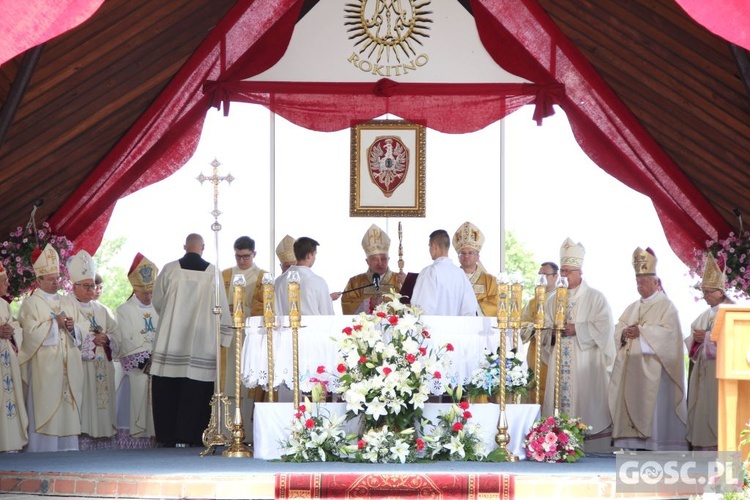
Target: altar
<point>469,336</point>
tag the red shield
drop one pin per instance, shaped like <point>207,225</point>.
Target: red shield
<point>388,163</point>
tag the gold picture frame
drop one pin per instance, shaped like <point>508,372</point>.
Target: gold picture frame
<point>387,169</point>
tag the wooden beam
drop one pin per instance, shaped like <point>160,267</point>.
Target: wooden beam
<point>742,58</point>
<point>18,89</point>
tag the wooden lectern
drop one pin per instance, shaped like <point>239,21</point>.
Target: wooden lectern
<point>731,332</point>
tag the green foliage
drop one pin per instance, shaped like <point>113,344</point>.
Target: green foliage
<point>117,288</point>
<point>518,258</point>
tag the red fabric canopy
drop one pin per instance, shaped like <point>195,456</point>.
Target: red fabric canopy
<point>518,35</point>
<point>730,19</point>
<point>27,23</point>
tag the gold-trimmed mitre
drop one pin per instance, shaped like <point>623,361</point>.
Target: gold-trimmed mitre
<point>81,267</point>
<point>468,236</point>
<point>713,276</point>
<point>285,249</point>
<point>142,274</point>
<point>571,254</point>
<point>375,241</point>
<point>644,262</point>
<point>45,262</point>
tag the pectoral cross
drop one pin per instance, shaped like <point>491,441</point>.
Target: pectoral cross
<point>215,180</point>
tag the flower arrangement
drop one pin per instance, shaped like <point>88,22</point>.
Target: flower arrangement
<point>382,445</point>
<point>454,437</point>
<point>734,253</point>
<point>15,254</point>
<point>387,367</point>
<point>315,438</point>
<point>556,439</point>
<point>485,380</point>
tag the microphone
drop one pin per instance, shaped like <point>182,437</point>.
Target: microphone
<point>376,280</point>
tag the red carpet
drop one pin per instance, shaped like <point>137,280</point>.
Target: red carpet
<point>376,486</point>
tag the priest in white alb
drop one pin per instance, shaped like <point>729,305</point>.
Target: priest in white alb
<point>647,391</point>
<point>588,352</point>
<point>50,359</point>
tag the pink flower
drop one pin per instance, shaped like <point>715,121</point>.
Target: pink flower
<point>538,456</point>
<point>563,438</point>
<point>550,421</point>
<point>550,437</point>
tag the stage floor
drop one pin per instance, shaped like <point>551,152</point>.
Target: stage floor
<point>182,473</point>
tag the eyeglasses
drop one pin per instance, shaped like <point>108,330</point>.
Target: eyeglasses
<point>467,254</point>
<point>568,271</point>
<point>243,256</point>
<point>86,286</point>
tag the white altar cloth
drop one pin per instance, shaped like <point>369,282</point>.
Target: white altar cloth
<point>272,421</point>
<point>318,347</point>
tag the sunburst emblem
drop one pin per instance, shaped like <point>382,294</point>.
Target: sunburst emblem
<point>385,27</point>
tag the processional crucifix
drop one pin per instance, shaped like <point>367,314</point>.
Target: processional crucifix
<point>213,435</point>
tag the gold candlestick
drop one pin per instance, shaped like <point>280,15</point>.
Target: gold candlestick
<point>295,321</point>
<point>269,321</point>
<point>237,429</point>
<point>502,438</point>
<point>400,249</point>
<point>540,295</point>
<point>516,311</point>
<point>561,316</point>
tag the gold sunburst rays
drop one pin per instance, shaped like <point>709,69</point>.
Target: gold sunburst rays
<point>385,28</point>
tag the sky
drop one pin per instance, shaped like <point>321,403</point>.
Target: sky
<point>551,191</point>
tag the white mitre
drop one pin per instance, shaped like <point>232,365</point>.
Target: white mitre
<point>81,267</point>
<point>571,254</point>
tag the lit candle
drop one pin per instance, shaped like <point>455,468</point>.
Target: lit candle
<point>269,316</point>
<point>238,310</point>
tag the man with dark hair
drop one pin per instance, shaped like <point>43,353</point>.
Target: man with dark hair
<point>315,298</point>
<point>183,362</point>
<point>442,288</point>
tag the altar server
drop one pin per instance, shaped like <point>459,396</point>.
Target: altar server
<point>315,298</point>
<point>137,320</point>
<point>703,387</point>
<point>647,392</point>
<point>50,359</point>
<point>468,241</point>
<point>14,429</point>
<point>366,295</point>
<point>442,288</point>
<point>99,346</point>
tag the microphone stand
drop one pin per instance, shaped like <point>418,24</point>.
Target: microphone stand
<point>360,288</point>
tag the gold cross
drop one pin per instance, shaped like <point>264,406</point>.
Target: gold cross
<point>215,180</point>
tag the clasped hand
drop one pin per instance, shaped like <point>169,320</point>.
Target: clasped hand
<point>631,332</point>
<point>6,331</point>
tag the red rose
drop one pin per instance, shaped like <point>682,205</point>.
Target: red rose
<point>464,405</point>
<point>449,346</point>
<point>298,414</point>
<point>347,330</point>
<point>423,351</point>
<point>393,320</point>
<point>437,375</point>
<point>457,426</point>
<point>302,408</point>
<point>387,371</point>
<point>341,368</point>
<point>411,358</point>
<point>309,423</point>
<point>467,415</point>
<point>420,444</point>
<point>321,369</point>
<point>360,444</point>
<point>362,359</point>
<point>358,327</point>
<point>381,314</point>
<point>426,334</point>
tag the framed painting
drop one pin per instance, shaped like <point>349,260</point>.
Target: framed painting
<point>387,169</point>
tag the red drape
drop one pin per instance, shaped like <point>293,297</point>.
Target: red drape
<point>27,23</point>
<point>518,35</point>
<point>730,19</point>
